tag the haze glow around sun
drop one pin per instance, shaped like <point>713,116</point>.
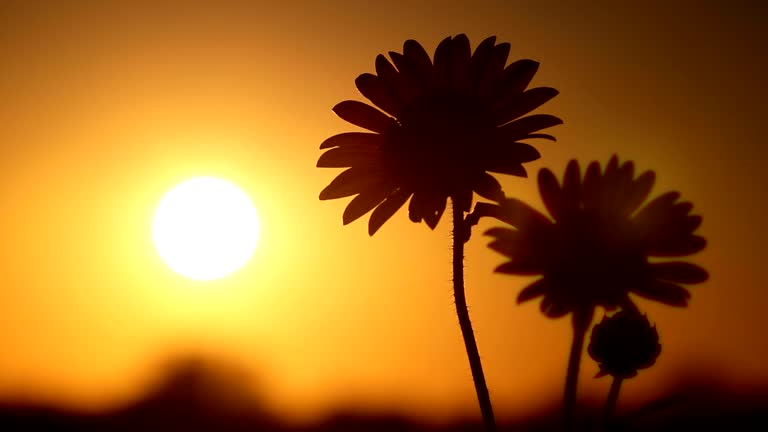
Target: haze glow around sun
<point>205,228</point>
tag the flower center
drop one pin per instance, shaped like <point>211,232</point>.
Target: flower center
<point>436,143</point>
<point>598,257</point>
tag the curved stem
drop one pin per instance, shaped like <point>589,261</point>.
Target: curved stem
<point>610,402</point>
<point>476,367</point>
<point>581,321</point>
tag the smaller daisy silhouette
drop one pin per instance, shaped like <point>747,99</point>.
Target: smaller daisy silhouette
<point>600,244</point>
<point>622,344</point>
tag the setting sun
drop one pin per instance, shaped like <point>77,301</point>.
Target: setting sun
<point>205,228</point>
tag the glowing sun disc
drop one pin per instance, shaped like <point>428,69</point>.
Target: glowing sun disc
<point>205,228</point>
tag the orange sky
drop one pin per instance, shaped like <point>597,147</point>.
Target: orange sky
<point>104,107</point>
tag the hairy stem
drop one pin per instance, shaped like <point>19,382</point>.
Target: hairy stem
<point>459,238</point>
<point>610,402</point>
<point>581,321</point>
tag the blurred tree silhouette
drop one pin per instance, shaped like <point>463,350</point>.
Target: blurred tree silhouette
<point>448,123</point>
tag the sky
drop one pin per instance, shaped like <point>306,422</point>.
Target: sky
<point>107,105</point>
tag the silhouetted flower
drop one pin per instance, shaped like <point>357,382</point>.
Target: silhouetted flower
<point>624,343</point>
<point>450,122</point>
<point>597,250</point>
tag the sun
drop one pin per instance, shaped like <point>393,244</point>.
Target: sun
<point>205,228</point>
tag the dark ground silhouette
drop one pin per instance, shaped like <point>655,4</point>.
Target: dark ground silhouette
<point>198,396</point>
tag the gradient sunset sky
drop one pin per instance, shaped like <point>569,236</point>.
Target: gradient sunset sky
<point>105,105</point>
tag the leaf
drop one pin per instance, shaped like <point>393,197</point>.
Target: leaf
<point>353,139</point>
<point>386,209</point>
<point>365,116</point>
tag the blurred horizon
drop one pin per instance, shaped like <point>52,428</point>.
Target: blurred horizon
<point>107,105</point>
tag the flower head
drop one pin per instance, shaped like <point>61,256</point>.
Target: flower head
<point>624,343</point>
<point>597,249</point>
<point>441,126</point>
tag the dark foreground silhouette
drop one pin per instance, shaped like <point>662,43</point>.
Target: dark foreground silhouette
<point>195,397</point>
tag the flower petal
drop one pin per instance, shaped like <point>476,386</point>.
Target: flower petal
<point>386,209</point>
<point>351,182</point>
<point>638,192</point>
<point>664,292</point>
<point>516,244</point>
<point>521,128</point>
<point>538,288</point>
<point>507,242</point>
<point>348,139</point>
<point>552,309</point>
<point>518,75</point>
<point>488,187</point>
<point>366,201</point>
<point>656,211</point>
<point>376,90</point>
<point>490,71</point>
<point>511,153</point>
<point>570,196</point>
<point>419,206</point>
<point>386,72</point>
<point>344,157</point>
<point>409,85</point>
<point>520,104</point>
<point>481,61</point>
<point>551,193</point>
<point>542,136</point>
<point>591,190</point>
<point>679,272</point>
<point>522,268</point>
<point>442,63</point>
<point>436,210</point>
<point>522,216</point>
<point>460,71</point>
<point>418,60</point>
<point>677,247</point>
<point>365,116</point>
<point>512,168</point>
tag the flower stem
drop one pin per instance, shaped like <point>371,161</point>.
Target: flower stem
<point>459,237</point>
<point>581,321</point>
<point>610,402</point>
